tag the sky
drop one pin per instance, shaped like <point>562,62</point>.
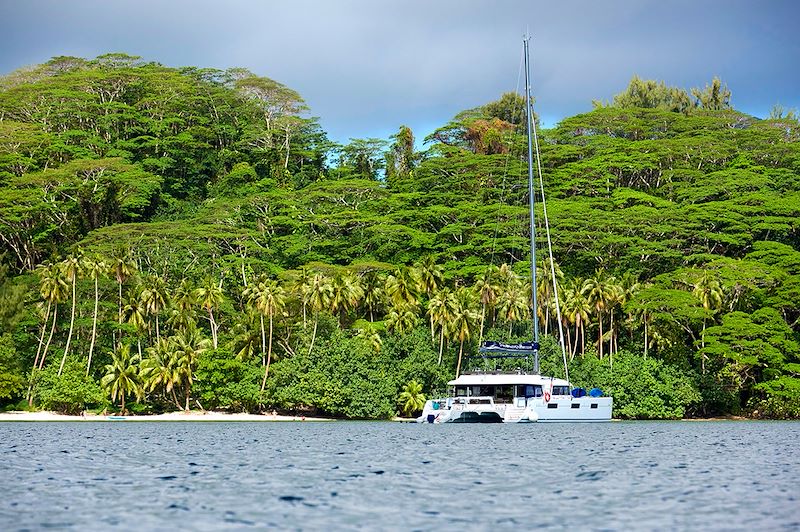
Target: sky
<point>366,67</point>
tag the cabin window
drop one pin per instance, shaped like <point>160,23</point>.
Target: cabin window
<point>461,391</point>
<point>552,405</point>
<point>485,390</point>
<point>504,394</point>
<point>529,390</point>
<point>560,390</point>
<point>576,405</point>
<point>594,405</point>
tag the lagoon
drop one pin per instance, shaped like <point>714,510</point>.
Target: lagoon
<point>383,475</point>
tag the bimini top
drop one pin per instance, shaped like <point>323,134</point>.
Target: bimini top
<point>499,379</point>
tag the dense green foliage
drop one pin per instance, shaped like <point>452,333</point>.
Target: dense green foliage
<point>184,237</point>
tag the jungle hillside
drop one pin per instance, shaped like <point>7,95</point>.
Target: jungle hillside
<point>187,238</point>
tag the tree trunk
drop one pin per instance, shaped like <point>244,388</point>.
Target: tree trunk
<point>313,335</point>
<point>71,326</point>
<point>94,324</point>
<point>483,322</point>
<point>441,346</point>
<point>460,352</point>
<point>600,336</point>
<point>645,335</point>
<point>213,328</point>
<point>263,341</point>
<point>269,356</point>
<point>49,338</point>
<point>41,336</point>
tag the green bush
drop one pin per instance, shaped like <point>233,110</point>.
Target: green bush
<point>72,392</point>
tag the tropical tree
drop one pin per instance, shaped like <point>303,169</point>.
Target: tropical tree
<point>465,317</point>
<point>373,285</point>
<point>411,398</point>
<point>155,298</point>
<point>402,287</point>
<point>430,275</point>
<point>513,303</point>
<point>441,308</point>
<point>268,298</point>
<point>708,290</point>
<point>401,319</point>
<point>122,267</point>
<point>488,290</point>
<point>577,310</point>
<point>72,268</point>
<point>320,295</point>
<point>209,296</point>
<point>122,375</point>
<point>182,315</point>
<point>136,316</point>
<point>160,369</point>
<point>94,268</point>
<point>598,293</point>
<point>188,345</point>
<point>346,292</point>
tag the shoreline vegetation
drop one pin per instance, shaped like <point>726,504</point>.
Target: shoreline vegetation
<point>173,237</point>
<point>193,415</point>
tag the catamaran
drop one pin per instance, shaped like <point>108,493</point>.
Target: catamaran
<point>519,396</point>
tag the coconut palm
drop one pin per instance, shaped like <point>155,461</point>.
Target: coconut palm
<point>370,335</point>
<point>346,292</point>
<point>246,342</point>
<point>545,289</point>
<point>268,298</point>
<point>94,268</point>
<point>320,294</point>
<point>301,288</point>
<point>372,283</point>
<point>401,319</point>
<point>189,345</point>
<point>488,290</point>
<point>71,267</point>
<point>513,303</point>
<point>122,375</point>
<point>155,298</point>
<point>182,315</point>
<point>597,291</point>
<point>209,295</point>
<point>122,267</point>
<point>411,398</point>
<point>465,317</point>
<point>440,310</point>
<point>160,369</point>
<point>136,315</point>
<point>577,310</point>
<point>709,291</point>
<point>429,275</point>
<point>53,289</point>
<point>402,287</point>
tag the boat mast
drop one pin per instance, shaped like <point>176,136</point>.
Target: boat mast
<point>531,200</point>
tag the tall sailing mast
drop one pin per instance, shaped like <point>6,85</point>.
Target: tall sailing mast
<point>531,200</point>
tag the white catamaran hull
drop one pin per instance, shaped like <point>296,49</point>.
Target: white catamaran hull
<point>521,410</point>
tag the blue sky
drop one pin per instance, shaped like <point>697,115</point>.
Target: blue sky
<point>365,67</point>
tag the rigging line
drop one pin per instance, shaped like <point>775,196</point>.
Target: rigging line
<point>550,248</point>
<point>505,168</point>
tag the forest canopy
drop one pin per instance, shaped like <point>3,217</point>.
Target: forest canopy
<point>175,237</point>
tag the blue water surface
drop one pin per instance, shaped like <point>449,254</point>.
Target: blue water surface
<point>386,476</point>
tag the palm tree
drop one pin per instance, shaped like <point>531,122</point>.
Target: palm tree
<point>155,298</point>
<point>71,266</point>
<point>597,292</point>
<point>577,310</point>
<point>246,336</point>
<point>401,319</point>
<point>122,267</point>
<point>545,288</point>
<point>268,298</point>
<point>709,291</point>
<point>136,316</point>
<point>160,369</point>
<point>513,303</point>
<point>122,375</point>
<point>182,315</point>
<point>346,293</point>
<point>411,399</point>
<point>189,345</point>
<point>465,316</point>
<point>320,294</point>
<point>488,290</point>
<point>210,296</point>
<point>370,335</point>
<point>429,275</point>
<point>372,283</point>
<point>440,310</point>
<point>301,287</point>
<point>94,268</point>
<point>53,289</point>
<point>402,287</point>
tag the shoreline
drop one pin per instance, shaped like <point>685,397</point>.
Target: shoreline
<point>169,416</point>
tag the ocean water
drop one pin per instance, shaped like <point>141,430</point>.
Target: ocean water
<point>387,476</point>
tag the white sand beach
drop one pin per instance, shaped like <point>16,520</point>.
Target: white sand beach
<point>170,416</point>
